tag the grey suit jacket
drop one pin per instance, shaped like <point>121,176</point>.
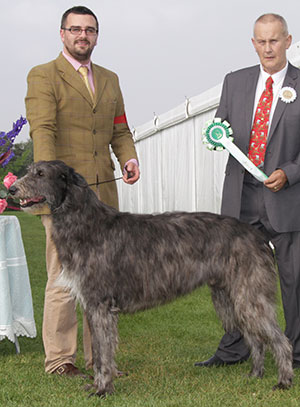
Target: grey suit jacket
<point>283,147</point>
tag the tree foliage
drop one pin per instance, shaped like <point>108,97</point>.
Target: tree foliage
<point>23,157</point>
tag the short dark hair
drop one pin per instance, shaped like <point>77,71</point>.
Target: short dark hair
<point>77,10</point>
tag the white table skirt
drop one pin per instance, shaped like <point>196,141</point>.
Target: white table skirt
<point>16,311</point>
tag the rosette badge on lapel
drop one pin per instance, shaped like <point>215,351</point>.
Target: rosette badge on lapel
<point>287,94</point>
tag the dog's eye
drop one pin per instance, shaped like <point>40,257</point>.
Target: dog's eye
<point>40,173</point>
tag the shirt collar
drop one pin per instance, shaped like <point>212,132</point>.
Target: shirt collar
<point>76,64</point>
<point>277,77</point>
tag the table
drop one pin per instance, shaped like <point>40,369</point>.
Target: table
<point>16,311</point>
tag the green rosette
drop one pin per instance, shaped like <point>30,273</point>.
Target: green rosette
<point>213,133</point>
<point>217,136</point>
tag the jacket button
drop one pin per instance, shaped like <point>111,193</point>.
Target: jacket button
<point>94,110</point>
<point>94,131</point>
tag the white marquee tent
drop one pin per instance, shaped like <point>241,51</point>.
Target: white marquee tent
<point>177,171</point>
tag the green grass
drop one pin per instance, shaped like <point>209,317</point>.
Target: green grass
<point>157,348</point>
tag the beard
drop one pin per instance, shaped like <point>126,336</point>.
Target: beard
<point>80,54</point>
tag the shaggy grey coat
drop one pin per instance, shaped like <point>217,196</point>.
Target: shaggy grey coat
<point>115,261</point>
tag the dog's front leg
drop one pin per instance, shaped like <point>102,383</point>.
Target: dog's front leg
<point>103,327</point>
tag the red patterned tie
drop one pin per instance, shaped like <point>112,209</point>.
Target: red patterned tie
<point>258,138</point>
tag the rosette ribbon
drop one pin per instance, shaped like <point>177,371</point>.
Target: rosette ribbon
<point>217,135</point>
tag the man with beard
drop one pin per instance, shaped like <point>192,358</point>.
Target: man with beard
<point>76,113</point>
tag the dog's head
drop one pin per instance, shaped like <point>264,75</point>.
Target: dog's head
<point>45,182</point>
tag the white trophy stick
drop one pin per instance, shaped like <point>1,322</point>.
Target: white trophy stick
<point>217,136</point>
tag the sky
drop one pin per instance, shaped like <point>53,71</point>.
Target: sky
<point>162,50</point>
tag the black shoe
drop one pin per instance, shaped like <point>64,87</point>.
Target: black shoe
<point>213,361</point>
<point>216,361</point>
<point>296,364</point>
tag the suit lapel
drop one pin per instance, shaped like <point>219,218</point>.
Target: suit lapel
<point>69,75</point>
<point>251,84</point>
<point>289,80</point>
<point>99,82</point>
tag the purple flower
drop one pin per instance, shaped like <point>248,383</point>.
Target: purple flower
<point>7,140</point>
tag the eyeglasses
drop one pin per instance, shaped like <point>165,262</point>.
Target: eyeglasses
<point>78,30</point>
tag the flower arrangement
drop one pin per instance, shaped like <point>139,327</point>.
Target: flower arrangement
<point>6,154</point>
<point>3,205</point>
<point>7,140</point>
<point>9,179</point>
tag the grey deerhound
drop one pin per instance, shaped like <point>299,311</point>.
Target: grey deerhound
<point>114,261</point>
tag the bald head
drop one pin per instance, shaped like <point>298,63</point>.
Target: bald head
<point>271,18</point>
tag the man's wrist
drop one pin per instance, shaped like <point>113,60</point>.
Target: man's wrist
<point>132,160</point>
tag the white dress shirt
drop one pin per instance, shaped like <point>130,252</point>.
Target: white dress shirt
<point>278,79</point>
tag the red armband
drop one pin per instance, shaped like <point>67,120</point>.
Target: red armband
<point>120,119</point>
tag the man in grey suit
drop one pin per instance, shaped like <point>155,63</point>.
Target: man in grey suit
<point>272,206</point>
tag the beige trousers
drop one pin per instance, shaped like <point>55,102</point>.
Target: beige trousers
<point>60,321</point>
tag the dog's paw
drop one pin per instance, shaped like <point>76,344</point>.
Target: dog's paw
<point>102,392</point>
<point>282,386</point>
<point>88,387</point>
<point>256,373</point>
<point>101,395</point>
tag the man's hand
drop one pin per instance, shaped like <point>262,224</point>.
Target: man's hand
<point>276,180</point>
<point>132,173</point>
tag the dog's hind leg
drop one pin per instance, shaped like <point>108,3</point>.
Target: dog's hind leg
<point>282,351</point>
<point>259,327</point>
<point>103,326</point>
<point>258,350</point>
<point>224,308</point>
<point>231,319</point>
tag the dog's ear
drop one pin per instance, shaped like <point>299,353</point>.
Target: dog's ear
<point>66,174</point>
<point>69,176</point>
<point>75,178</point>
<point>64,177</point>
<point>79,180</point>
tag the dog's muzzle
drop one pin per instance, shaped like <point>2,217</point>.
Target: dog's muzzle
<point>26,202</point>
<point>12,190</point>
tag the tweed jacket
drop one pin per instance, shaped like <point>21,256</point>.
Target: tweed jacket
<point>283,146</point>
<point>65,124</point>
